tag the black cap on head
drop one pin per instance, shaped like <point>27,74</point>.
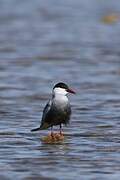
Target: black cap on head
<point>61,85</point>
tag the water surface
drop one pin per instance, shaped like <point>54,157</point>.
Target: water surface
<point>44,42</point>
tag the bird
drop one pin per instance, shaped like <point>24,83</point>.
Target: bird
<point>58,110</point>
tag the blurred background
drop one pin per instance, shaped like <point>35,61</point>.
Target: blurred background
<point>43,42</point>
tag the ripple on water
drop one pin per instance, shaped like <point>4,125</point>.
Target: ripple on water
<point>65,42</point>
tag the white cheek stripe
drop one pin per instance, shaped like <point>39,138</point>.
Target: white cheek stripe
<point>60,91</point>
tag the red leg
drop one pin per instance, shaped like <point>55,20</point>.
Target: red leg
<point>61,130</point>
<point>52,134</point>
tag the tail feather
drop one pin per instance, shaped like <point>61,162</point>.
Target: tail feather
<point>42,127</point>
<point>36,129</point>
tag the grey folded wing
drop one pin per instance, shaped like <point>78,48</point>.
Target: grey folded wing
<point>46,110</point>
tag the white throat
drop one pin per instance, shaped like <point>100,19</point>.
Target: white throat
<point>59,92</point>
<point>59,95</point>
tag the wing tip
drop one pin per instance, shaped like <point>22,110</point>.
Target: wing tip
<point>36,129</point>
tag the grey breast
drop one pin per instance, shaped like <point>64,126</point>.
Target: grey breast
<point>56,112</point>
<point>61,110</point>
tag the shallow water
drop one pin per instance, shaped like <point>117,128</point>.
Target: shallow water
<point>41,43</point>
